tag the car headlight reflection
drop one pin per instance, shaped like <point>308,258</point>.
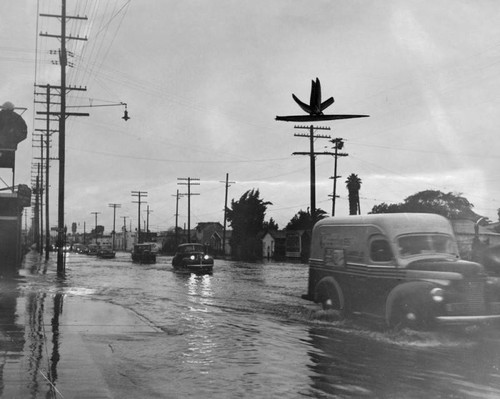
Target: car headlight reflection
<point>437,294</point>
<point>192,257</point>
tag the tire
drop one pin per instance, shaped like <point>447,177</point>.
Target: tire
<point>331,297</point>
<point>409,307</point>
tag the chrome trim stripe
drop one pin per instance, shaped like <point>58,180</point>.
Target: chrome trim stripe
<point>466,319</point>
<point>9,218</point>
<point>359,270</point>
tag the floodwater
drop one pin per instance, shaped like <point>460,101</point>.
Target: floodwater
<point>245,332</point>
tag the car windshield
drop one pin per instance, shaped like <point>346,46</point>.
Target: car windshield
<point>411,245</point>
<point>192,248</point>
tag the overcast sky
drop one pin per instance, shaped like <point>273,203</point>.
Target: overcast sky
<point>204,80</point>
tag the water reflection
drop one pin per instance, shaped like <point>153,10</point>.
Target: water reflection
<point>29,349</point>
<point>11,333</point>
<point>348,364</point>
<point>200,343</point>
<point>43,352</point>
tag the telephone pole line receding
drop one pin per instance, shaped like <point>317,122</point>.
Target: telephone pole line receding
<point>189,194</point>
<point>48,132</point>
<point>63,60</point>
<point>312,157</point>
<point>139,195</point>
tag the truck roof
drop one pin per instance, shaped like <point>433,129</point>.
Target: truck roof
<point>393,223</point>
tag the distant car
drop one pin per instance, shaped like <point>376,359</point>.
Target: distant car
<point>106,253</point>
<point>143,253</point>
<point>193,257</point>
<point>92,249</point>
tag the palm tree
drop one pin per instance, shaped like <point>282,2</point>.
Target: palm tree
<point>353,183</point>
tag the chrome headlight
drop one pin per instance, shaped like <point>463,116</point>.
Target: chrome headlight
<point>437,294</point>
<point>206,257</point>
<point>192,257</point>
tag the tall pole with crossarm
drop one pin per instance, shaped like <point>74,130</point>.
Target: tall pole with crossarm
<point>114,206</point>
<point>63,60</point>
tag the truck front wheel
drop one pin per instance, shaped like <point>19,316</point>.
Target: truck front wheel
<point>409,307</point>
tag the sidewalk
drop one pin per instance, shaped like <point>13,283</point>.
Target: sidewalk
<point>55,346</point>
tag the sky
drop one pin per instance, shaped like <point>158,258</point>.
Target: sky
<point>204,80</point>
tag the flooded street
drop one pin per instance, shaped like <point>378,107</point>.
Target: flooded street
<point>242,332</point>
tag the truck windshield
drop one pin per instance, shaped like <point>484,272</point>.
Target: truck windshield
<point>410,245</point>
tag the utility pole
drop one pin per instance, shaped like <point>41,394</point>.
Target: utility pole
<point>227,182</point>
<point>139,195</point>
<point>95,231</point>
<point>37,213</point>
<point>312,157</point>
<point>124,230</point>
<point>40,194</point>
<point>177,196</point>
<point>114,206</point>
<point>338,145</point>
<point>63,59</point>
<point>189,194</point>
<point>147,218</point>
<point>48,133</point>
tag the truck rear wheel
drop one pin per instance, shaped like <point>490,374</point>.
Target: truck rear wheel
<point>330,295</point>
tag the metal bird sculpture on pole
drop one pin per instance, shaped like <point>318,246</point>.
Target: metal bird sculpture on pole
<point>315,108</point>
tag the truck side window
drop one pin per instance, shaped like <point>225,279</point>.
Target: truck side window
<point>380,251</point>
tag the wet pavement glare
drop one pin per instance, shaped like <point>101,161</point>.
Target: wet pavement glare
<point>242,332</point>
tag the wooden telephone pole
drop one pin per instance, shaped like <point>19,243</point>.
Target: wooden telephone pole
<point>114,206</point>
<point>312,157</point>
<point>47,142</point>
<point>139,195</point>
<point>189,194</point>
<point>227,182</point>
<point>338,145</point>
<point>177,196</point>
<point>62,114</point>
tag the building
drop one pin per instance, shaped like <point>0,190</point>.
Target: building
<point>297,244</point>
<point>273,244</point>
<point>472,237</point>
<point>210,234</point>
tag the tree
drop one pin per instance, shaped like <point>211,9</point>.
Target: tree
<point>270,226</point>
<point>449,205</point>
<point>246,218</point>
<point>98,231</point>
<point>303,220</point>
<point>353,183</point>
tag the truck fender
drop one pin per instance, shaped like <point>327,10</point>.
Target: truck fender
<point>410,305</point>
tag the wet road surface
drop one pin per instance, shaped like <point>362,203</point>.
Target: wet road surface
<point>116,329</point>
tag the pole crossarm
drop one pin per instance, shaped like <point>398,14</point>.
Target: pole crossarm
<point>316,136</point>
<point>313,127</point>
<point>313,153</point>
<point>61,113</point>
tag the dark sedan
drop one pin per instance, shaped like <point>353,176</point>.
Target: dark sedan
<point>193,257</point>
